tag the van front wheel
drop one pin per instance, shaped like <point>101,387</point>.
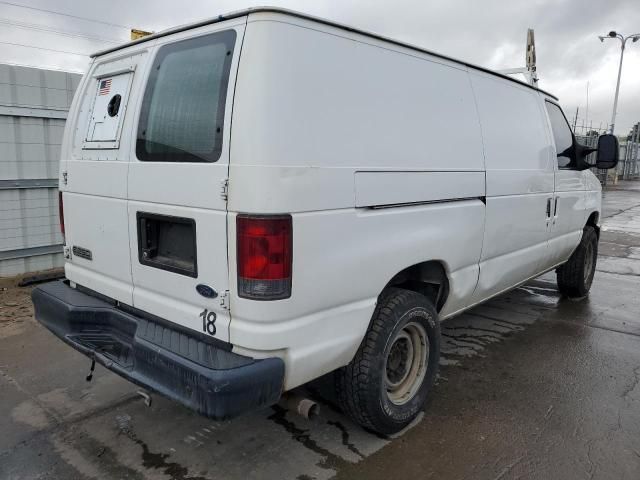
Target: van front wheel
<point>386,384</point>
<point>575,276</point>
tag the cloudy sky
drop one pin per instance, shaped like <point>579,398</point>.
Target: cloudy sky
<point>490,33</point>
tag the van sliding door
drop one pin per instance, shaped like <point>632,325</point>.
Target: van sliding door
<point>519,179</point>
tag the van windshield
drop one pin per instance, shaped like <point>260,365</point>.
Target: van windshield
<point>182,112</point>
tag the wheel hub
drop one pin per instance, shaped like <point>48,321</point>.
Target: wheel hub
<point>399,360</point>
<point>406,363</point>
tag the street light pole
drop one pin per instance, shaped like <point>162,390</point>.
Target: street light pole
<point>623,42</point>
<point>615,98</point>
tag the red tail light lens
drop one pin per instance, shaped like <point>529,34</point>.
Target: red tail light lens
<point>61,212</point>
<point>264,256</point>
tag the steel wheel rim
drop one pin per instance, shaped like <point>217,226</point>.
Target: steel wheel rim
<point>588,262</point>
<point>406,363</point>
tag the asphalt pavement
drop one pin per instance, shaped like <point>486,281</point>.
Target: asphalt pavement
<point>532,385</point>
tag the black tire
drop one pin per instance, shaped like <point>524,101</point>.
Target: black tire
<point>363,386</point>
<point>576,276</point>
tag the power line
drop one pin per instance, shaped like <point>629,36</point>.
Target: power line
<point>43,48</point>
<point>66,15</point>
<point>42,28</point>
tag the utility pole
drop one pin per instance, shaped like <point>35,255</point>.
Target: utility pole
<point>586,115</point>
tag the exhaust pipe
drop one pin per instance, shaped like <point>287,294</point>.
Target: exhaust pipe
<point>145,396</point>
<point>303,406</point>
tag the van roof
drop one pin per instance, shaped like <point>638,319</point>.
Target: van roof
<point>285,11</point>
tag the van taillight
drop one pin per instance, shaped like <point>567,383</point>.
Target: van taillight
<point>61,212</point>
<point>264,252</point>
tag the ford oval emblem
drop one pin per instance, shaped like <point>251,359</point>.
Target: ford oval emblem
<point>206,291</point>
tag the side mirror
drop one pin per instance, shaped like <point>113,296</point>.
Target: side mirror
<point>608,152</point>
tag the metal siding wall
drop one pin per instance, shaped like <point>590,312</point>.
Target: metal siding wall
<point>33,107</point>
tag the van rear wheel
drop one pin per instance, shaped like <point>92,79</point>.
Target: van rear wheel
<point>386,385</point>
<point>576,276</point>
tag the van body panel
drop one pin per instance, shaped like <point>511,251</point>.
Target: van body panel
<point>104,178</point>
<point>515,182</point>
<point>187,185</point>
<point>593,196</point>
<point>569,207</point>
<point>190,189</point>
<point>269,189</point>
<point>520,182</point>
<point>569,214</point>
<point>378,118</point>
<point>388,188</point>
<point>95,208</point>
<point>171,295</point>
<point>99,225</point>
<point>511,248</point>
<point>341,261</point>
<point>293,165</point>
<point>95,176</point>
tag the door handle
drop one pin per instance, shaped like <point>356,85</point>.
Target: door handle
<point>555,208</point>
<point>148,238</point>
<point>548,208</point>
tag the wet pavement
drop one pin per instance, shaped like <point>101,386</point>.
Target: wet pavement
<point>532,386</point>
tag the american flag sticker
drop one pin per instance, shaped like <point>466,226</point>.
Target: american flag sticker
<point>104,87</point>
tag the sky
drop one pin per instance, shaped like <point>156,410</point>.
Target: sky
<point>490,33</point>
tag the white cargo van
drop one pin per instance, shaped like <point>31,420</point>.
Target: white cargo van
<point>260,199</point>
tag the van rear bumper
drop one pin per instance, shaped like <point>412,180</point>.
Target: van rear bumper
<point>201,374</point>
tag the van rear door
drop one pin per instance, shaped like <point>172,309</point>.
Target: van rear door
<point>94,164</point>
<point>177,179</point>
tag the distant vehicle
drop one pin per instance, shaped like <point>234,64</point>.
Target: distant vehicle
<point>257,200</point>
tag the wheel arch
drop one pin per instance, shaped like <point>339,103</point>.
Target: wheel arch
<point>428,278</point>
<point>594,221</point>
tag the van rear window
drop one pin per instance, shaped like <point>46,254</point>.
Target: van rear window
<point>182,112</point>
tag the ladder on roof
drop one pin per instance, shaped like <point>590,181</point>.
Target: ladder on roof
<point>529,71</point>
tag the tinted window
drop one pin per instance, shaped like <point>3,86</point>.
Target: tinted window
<point>183,107</point>
<point>561,134</point>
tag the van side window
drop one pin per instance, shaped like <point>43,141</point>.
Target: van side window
<point>182,113</point>
<point>561,134</point>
